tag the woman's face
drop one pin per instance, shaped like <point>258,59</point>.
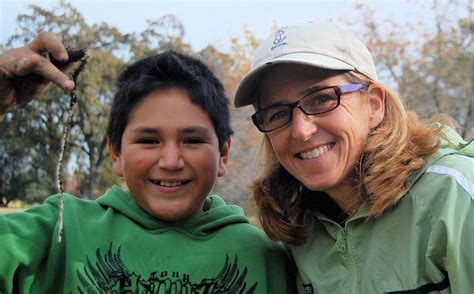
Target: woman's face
<point>321,150</point>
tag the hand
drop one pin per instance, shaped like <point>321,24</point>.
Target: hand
<point>26,71</point>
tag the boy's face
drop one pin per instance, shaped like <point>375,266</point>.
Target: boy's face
<point>170,156</point>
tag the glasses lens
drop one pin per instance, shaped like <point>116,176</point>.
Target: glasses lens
<point>272,118</point>
<point>320,101</point>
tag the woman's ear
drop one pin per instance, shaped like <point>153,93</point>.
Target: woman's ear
<point>224,157</point>
<point>376,95</point>
<point>115,156</point>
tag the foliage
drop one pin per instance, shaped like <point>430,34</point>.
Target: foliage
<point>429,62</point>
<point>430,66</point>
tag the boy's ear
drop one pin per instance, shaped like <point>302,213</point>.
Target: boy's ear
<point>115,156</point>
<point>224,158</point>
<point>376,105</point>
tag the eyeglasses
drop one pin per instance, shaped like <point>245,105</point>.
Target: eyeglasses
<point>316,102</point>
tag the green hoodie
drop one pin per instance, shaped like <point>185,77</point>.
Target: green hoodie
<point>425,243</point>
<point>112,246</point>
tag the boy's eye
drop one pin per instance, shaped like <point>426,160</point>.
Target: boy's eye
<point>148,141</point>
<point>193,141</point>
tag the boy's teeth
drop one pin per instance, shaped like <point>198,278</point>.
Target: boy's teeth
<point>316,152</point>
<point>170,184</point>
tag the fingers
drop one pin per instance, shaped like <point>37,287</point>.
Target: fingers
<point>25,71</point>
<point>37,63</point>
<point>47,42</point>
<point>51,73</point>
<point>24,63</point>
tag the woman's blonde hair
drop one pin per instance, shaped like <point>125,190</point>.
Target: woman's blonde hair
<point>393,151</point>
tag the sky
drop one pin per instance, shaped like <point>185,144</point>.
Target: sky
<point>206,22</point>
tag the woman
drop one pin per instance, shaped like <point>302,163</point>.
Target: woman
<point>368,198</point>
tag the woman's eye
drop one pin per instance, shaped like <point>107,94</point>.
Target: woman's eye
<point>319,102</point>
<point>322,99</point>
<point>278,115</point>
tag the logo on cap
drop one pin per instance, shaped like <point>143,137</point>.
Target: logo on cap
<point>279,40</point>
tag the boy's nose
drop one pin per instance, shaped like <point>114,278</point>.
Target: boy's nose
<point>170,158</point>
<point>302,126</point>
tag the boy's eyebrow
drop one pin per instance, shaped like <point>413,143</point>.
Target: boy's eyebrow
<point>145,130</point>
<point>187,130</point>
<point>196,129</point>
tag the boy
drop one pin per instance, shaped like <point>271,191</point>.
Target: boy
<point>169,138</point>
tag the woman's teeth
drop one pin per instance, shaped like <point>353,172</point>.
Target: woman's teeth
<point>316,152</point>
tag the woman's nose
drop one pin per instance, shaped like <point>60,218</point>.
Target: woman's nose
<point>302,126</point>
<point>170,158</point>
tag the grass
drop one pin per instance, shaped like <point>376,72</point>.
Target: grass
<point>10,209</point>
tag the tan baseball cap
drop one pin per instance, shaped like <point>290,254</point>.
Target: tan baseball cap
<point>319,44</point>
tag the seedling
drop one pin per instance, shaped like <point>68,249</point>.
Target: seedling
<point>74,56</point>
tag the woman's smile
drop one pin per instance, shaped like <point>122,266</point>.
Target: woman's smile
<point>316,152</point>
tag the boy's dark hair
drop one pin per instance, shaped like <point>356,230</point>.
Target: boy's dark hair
<point>164,71</point>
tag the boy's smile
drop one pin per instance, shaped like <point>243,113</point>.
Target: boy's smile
<point>170,155</point>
